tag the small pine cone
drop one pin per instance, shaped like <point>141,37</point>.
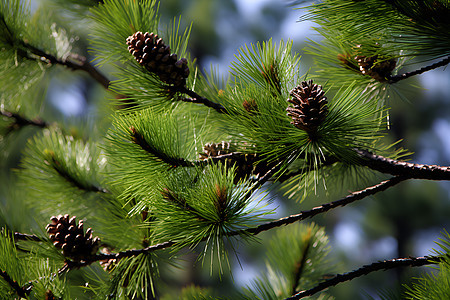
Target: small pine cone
<point>348,62</point>
<point>108,264</point>
<point>250,106</point>
<point>49,295</point>
<point>246,163</point>
<point>213,150</point>
<point>69,236</point>
<point>379,70</point>
<point>310,106</point>
<point>151,52</point>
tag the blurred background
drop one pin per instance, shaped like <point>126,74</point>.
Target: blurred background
<point>403,221</point>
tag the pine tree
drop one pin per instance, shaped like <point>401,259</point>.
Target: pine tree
<point>178,161</point>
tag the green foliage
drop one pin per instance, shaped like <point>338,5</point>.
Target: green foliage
<point>116,20</point>
<point>432,286</point>
<point>27,41</point>
<point>206,206</point>
<point>15,65</point>
<point>336,63</point>
<point>27,271</point>
<point>142,182</point>
<point>133,277</point>
<point>417,28</point>
<point>402,30</point>
<point>154,163</point>
<point>297,258</point>
<point>351,122</point>
<point>12,19</point>
<point>61,169</point>
<point>144,148</point>
<point>11,264</point>
<point>436,284</point>
<point>270,68</point>
<point>193,292</point>
<point>46,280</point>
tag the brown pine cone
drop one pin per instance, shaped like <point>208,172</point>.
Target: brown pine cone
<point>246,163</point>
<point>68,236</point>
<point>376,68</point>
<point>310,106</point>
<point>250,106</point>
<point>151,52</point>
<point>108,264</point>
<point>213,150</point>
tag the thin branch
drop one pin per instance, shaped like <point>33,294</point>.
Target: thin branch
<point>27,237</point>
<point>181,203</point>
<point>135,252</point>
<point>255,230</point>
<point>388,166</point>
<point>241,158</point>
<point>128,253</point>
<point>196,98</point>
<point>395,78</point>
<point>77,63</point>
<point>139,140</point>
<point>20,291</point>
<point>300,266</point>
<point>233,156</point>
<point>377,266</point>
<point>268,175</point>
<point>382,186</point>
<point>21,121</point>
<point>401,168</point>
<point>57,166</point>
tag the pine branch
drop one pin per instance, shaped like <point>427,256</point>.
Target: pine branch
<point>398,8</point>
<point>300,266</point>
<point>135,252</point>
<point>99,257</point>
<point>401,168</point>
<point>270,225</point>
<point>63,172</point>
<point>27,237</point>
<point>266,177</point>
<point>21,121</point>
<point>180,202</point>
<point>388,166</point>
<point>377,266</point>
<point>196,98</point>
<point>233,156</point>
<point>240,158</point>
<point>396,78</point>
<point>20,291</point>
<point>78,63</point>
<point>382,186</point>
<point>139,139</point>
<point>254,231</point>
